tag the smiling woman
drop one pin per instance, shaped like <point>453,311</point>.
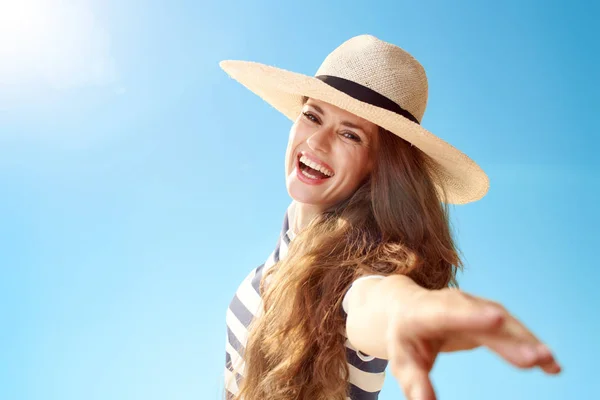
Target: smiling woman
<point>364,273</point>
<point>329,154</point>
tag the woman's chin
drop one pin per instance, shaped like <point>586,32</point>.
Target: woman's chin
<point>303,193</point>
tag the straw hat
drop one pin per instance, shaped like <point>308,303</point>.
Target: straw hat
<point>379,82</point>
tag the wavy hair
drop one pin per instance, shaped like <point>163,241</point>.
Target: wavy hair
<point>395,223</point>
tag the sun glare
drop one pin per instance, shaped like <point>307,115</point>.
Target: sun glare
<point>24,27</point>
<point>52,42</point>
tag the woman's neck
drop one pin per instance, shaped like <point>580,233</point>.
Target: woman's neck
<point>302,214</point>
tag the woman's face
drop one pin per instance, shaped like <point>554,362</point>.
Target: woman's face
<point>328,154</point>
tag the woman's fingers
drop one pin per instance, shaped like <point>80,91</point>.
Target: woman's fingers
<point>508,337</point>
<point>450,320</point>
<point>518,353</point>
<point>522,350</point>
<point>549,363</point>
<point>513,341</point>
<point>464,322</point>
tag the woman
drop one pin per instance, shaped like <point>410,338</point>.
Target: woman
<point>364,274</point>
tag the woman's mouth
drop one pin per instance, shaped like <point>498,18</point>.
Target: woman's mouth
<point>312,172</point>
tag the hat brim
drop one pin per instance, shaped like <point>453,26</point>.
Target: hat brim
<point>463,180</point>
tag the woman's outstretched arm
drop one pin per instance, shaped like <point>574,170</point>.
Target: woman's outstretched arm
<point>395,319</point>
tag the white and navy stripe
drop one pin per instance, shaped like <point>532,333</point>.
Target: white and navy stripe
<point>367,374</point>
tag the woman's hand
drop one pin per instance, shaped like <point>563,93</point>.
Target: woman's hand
<point>429,322</point>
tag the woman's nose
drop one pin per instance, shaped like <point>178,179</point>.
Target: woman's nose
<point>320,140</point>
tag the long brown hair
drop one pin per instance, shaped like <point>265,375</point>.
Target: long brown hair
<point>394,223</point>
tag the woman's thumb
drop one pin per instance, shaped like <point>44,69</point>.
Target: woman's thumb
<point>412,373</point>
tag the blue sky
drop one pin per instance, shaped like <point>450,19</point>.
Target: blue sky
<point>130,164</point>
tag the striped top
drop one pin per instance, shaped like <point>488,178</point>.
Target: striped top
<point>367,373</point>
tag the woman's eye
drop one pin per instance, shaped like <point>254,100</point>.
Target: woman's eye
<point>351,136</point>
<point>310,116</point>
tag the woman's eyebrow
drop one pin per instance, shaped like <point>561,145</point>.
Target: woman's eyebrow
<point>351,125</point>
<point>316,107</point>
<point>345,123</point>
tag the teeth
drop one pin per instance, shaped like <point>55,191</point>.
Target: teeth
<point>314,165</point>
<point>309,175</point>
